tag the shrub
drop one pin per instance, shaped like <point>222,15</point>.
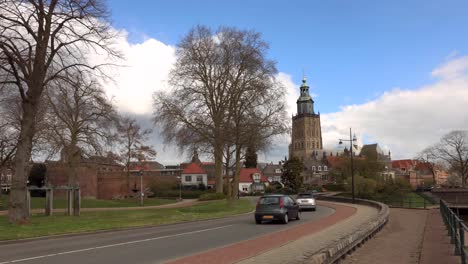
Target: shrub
<point>334,187</point>
<point>212,196</point>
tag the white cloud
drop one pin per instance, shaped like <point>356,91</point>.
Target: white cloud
<point>145,70</point>
<point>406,121</point>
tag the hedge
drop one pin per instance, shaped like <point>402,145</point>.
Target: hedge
<point>212,196</point>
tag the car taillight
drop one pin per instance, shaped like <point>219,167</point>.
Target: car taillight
<point>281,203</point>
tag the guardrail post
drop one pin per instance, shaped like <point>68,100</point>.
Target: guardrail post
<point>461,230</point>
<point>457,237</point>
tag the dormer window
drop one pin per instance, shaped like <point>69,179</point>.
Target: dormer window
<point>256,177</point>
<point>278,171</point>
<point>325,168</point>
<point>313,168</point>
<point>319,168</point>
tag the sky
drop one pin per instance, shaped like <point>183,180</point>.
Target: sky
<point>393,71</point>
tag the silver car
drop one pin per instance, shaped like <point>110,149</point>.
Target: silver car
<point>306,201</point>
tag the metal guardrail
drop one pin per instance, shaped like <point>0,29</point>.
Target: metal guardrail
<point>456,230</point>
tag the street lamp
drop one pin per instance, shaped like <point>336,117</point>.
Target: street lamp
<point>351,140</point>
<point>180,187</point>
<point>141,188</point>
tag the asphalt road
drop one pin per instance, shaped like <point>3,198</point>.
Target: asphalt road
<point>146,245</point>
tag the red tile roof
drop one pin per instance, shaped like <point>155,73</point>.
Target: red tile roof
<point>211,182</point>
<point>407,164</point>
<point>246,175</point>
<point>193,168</point>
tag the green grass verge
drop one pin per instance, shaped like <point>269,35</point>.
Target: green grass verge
<point>410,200</point>
<point>41,225</point>
<point>60,203</point>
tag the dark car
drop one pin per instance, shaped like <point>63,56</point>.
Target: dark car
<point>276,207</point>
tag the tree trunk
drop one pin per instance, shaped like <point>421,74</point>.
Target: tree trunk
<point>18,207</point>
<point>235,189</point>
<point>218,153</point>
<point>228,179</point>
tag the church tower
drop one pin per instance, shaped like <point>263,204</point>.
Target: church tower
<point>306,137</point>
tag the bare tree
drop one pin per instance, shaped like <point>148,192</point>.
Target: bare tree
<point>39,41</point>
<point>132,137</point>
<point>79,119</point>
<point>453,150</point>
<point>428,157</point>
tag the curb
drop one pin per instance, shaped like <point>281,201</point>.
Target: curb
<point>347,244</point>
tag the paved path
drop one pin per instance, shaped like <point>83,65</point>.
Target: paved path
<point>436,246</point>
<point>411,236</point>
<point>183,203</point>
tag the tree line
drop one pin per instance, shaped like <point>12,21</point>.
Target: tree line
<point>224,96</point>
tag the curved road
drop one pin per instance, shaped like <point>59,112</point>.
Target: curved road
<point>146,245</point>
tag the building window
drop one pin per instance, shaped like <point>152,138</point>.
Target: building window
<point>324,177</point>
<point>245,189</point>
<point>188,178</point>
<point>199,178</point>
<point>319,168</point>
<point>325,168</point>
<point>313,168</point>
<point>278,171</point>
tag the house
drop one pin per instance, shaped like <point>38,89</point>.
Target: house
<point>273,172</point>
<point>194,175</point>
<point>252,180</point>
<point>418,173</point>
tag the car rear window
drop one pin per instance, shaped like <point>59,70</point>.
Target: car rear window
<point>305,195</point>
<point>269,200</point>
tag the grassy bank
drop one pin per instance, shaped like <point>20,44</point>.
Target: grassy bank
<point>407,200</point>
<point>59,202</point>
<point>41,225</point>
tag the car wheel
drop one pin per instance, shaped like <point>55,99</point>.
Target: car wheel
<point>285,218</point>
<point>313,209</point>
<point>258,221</point>
<point>298,217</point>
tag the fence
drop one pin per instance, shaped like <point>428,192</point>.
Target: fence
<point>406,202</point>
<point>456,230</point>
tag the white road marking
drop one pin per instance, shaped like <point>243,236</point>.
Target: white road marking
<point>113,245</point>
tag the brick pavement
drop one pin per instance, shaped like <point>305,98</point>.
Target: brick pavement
<point>245,250</point>
<point>410,236</point>
<point>436,246</point>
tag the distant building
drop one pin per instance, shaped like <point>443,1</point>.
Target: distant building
<point>252,180</point>
<point>418,173</point>
<point>306,136</point>
<point>273,172</point>
<point>194,175</point>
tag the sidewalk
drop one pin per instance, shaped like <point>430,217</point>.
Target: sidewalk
<point>411,236</point>
<point>183,203</point>
<point>436,246</point>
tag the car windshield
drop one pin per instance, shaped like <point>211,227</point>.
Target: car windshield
<point>305,195</point>
<point>269,200</point>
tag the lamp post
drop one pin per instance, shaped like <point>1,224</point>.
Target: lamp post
<point>351,140</point>
<point>141,188</point>
<point>180,187</point>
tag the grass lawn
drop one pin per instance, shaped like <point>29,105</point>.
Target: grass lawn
<point>411,199</point>
<point>39,202</point>
<point>41,225</point>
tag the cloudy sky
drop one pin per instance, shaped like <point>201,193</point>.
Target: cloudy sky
<point>396,72</point>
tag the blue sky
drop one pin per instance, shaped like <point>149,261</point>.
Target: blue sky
<point>352,51</point>
<point>394,71</point>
